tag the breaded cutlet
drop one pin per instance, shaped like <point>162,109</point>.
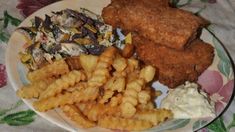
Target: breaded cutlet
<point>171,27</point>
<point>175,67</point>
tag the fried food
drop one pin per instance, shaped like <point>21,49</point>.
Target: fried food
<point>75,115</point>
<point>88,62</point>
<point>155,116</point>
<point>57,68</point>
<point>107,57</point>
<point>106,90</point>
<point>132,65</point>
<point>143,97</point>
<point>119,64</point>
<point>107,95</point>
<point>77,87</point>
<point>101,74</point>
<point>130,99</point>
<point>147,73</point>
<point>128,50</point>
<point>115,84</point>
<point>133,88</point>
<point>150,105</point>
<point>176,67</point>
<point>63,83</point>
<point>116,100</point>
<point>171,27</point>
<point>94,111</point>
<point>123,123</point>
<point>111,89</point>
<point>66,98</point>
<point>73,63</point>
<point>35,89</point>
<point>98,78</point>
<point>155,3</point>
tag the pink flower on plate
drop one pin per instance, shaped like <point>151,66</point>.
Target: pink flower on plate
<point>27,7</point>
<point>212,83</point>
<point>3,75</point>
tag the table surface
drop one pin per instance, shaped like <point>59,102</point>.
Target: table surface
<point>221,13</point>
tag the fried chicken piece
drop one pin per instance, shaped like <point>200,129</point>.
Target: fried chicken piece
<point>171,27</point>
<point>176,67</point>
<point>152,3</point>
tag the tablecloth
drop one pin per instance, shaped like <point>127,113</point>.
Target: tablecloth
<point>16,116</point>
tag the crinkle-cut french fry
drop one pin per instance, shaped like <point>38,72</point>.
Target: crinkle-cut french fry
<point>131,71</point>
<point>66,81</point>
<point>132,65</point>
<point>115,84</point>
<point>130,99</point>
<point>107,95</point>
<point>106,58</point>
<point>57,68</point>
<point>154,116</point>
<point>144,97</point>
<point>73,63</point>
<point>88,75</point>
<point>151,92</point>
<point>84,106</point>
<point>94,111</point>
<point>77,87</point>
<point>88,62</point>
<point>35,89</point>
<point>147,73</point>
<point>119,64</point>
<point>116,100</point>
<point>123,124</point>
<point>120,74</point>
<point>75,115</point>
<point>101,73</point>
<point>109,83</point>
<point>149,105</point>
<point>67,98</point>
<point>132,76</point>
<point>119,84</point>
<point>99,77</point>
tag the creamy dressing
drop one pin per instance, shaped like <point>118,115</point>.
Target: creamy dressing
<point>186,101</point>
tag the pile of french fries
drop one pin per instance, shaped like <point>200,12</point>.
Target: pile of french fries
<point>111,91</point>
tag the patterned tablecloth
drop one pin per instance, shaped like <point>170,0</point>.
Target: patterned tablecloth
<point>16,116</point>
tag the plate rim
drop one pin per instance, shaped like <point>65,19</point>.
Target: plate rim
<point>233,68</point>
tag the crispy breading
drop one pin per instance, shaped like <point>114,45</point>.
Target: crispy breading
<point>176,67</point>
<point>171,27</point>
